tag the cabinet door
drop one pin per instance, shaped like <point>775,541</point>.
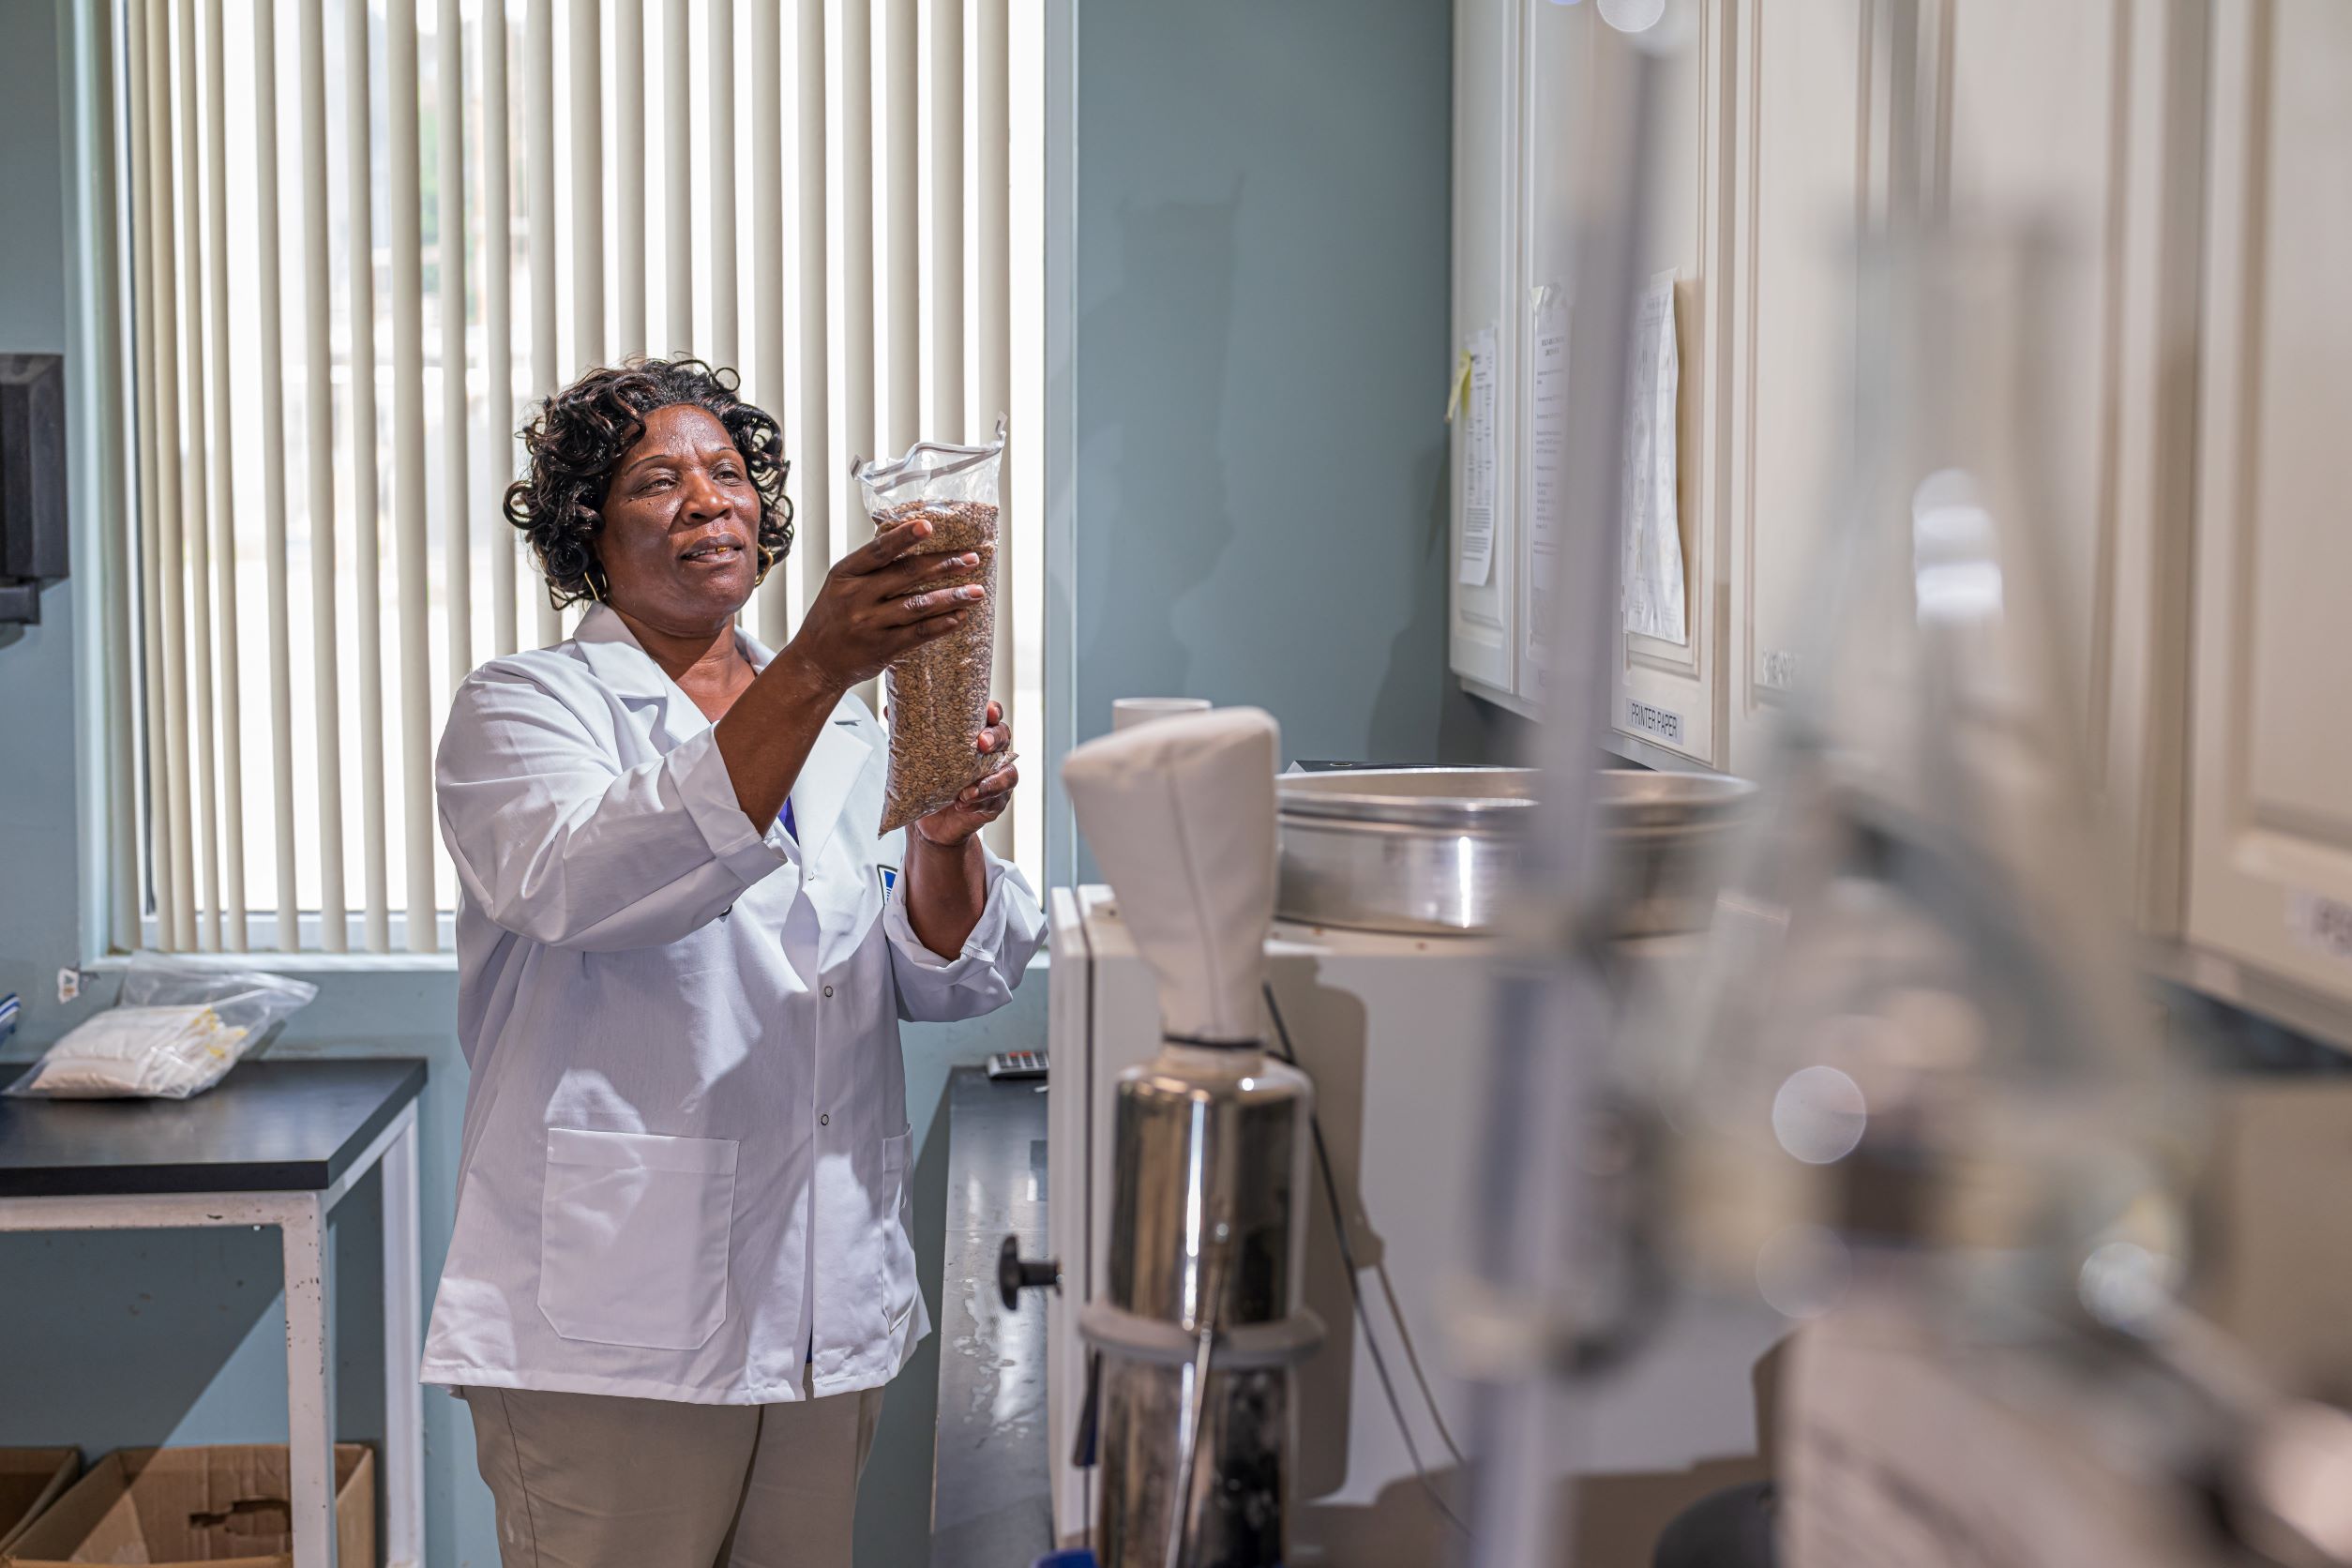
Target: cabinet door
<point>2085,120</point>
<point>1485,623</point>
<point>2270,847</point>
<point>1673,685</point>
<point>1807,98</point>
<point>1691,237</point>
<point>1556,86</point>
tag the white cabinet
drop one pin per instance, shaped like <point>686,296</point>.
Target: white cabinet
<point>1522,75</point>
<point>2082,120</point>
<point>1674,687</point>
<point>1485,617</point>
<point>2086,120</point>
<point>2190,161</point>
<point>2270,842</point>
<point>1805,157</point>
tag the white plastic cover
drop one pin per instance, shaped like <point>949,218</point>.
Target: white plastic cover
<point>935,471</point>
<point>1181,817</point>
<point>937,695</point>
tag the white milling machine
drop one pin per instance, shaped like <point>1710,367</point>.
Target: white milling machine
<point>1393,1031</point>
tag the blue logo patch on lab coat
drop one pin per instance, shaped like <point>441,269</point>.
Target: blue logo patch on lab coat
<point>888,877</point>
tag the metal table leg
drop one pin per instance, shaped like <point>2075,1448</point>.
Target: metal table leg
<point>403,1351</point>
<point>309,1383</point>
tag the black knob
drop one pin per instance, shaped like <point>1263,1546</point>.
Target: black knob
<point>1015,1275</point>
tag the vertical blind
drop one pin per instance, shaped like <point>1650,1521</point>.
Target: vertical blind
<point>361,237</point>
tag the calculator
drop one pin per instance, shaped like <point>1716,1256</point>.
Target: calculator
<point>1016,1065</point>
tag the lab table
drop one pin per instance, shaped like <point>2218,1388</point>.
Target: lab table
<point>276,1143</point>
<point>992,1485</point>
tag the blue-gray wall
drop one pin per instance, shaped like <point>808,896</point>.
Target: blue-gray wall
<point>38,829</point>
<point>1261,367</point>
<point>1261,360</point>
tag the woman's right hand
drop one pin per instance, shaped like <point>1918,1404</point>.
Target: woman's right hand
<point>877,603</point>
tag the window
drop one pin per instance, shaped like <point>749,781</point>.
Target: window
<point>359,237</point>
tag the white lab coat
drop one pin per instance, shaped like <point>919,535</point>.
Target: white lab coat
<point>685,1148</point>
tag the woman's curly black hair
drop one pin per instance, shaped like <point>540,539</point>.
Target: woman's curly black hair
<point>579,437</point>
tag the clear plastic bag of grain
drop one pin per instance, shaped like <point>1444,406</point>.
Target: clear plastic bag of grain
<point>938,695</point>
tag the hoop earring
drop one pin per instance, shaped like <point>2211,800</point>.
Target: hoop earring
<point>588,576</point>
<point>767,563</point>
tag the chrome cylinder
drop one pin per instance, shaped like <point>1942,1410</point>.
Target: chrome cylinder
<point>1238,1500</point>
<point>1207,1233</point>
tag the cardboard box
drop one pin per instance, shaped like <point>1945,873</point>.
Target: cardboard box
<point>222,1507</point>
<point>30,1480</point>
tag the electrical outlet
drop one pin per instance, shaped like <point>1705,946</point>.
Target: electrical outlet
<point>69,985</point>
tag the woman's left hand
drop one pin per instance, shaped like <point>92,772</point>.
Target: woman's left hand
<point>980,804</point>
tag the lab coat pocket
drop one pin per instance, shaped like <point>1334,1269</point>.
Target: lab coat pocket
<point>633,1236</point>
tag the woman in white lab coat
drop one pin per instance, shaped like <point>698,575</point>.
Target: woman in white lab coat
<point>680,1272</point>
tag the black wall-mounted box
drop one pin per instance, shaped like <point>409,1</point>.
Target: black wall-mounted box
<point>33,543</point>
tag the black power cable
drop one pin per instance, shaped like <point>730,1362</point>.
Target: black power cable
<point>1355,1288</point>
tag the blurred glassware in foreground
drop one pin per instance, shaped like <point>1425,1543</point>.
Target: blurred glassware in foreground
<point>1913,1095</point>
<point>1915,1046</point>
<point>1906,1095</point>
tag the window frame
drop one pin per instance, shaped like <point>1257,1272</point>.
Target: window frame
<point>102,488</point>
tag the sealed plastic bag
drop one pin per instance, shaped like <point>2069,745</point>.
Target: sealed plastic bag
<point>176,1031</point>
<point>939,693</point>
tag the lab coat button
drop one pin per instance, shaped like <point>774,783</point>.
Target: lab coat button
<point>824,1121</point>
<point>828,990</point>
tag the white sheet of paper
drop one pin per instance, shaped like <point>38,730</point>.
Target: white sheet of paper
<point>1547,446</point>
<point>1478,464</point>
<point>1654,523</point>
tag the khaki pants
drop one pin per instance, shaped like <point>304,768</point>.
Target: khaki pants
<point>594,1481</point>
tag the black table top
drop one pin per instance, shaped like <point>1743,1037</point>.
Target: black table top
<point>991,1498</point>
<point>268,1126</point>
